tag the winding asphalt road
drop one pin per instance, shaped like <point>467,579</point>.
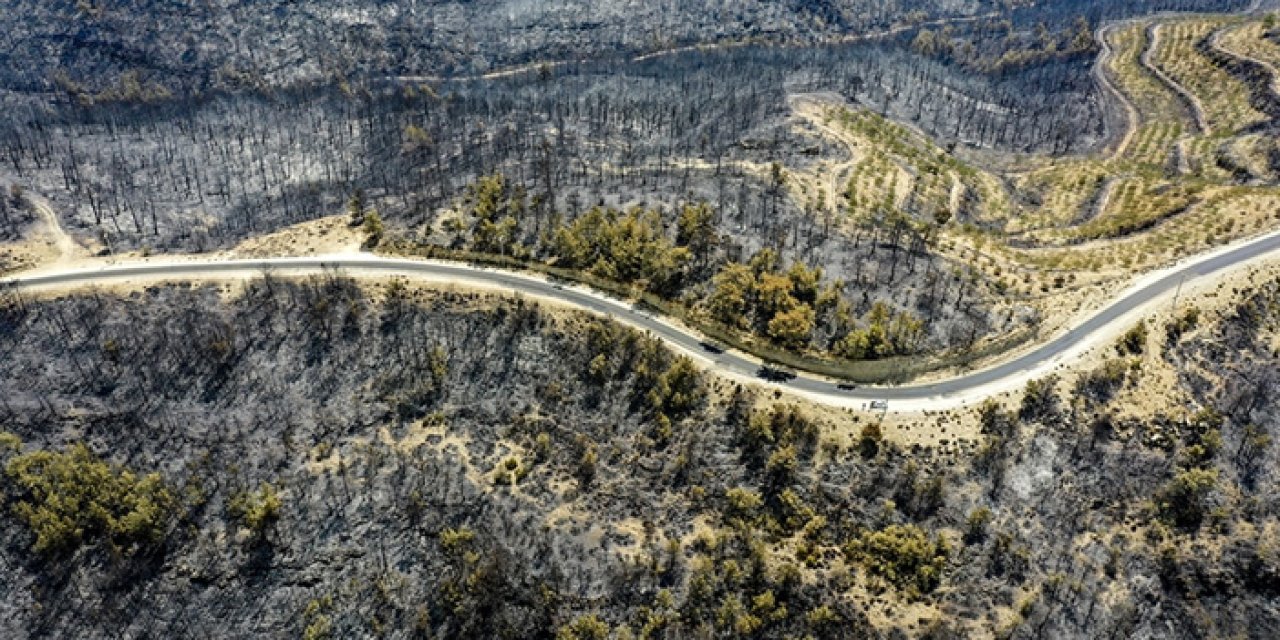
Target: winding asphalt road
<point>949,393</point>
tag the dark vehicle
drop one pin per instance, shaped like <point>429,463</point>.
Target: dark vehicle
<point>846,386</point>
<point>710,347</point>
<point>775,373</point>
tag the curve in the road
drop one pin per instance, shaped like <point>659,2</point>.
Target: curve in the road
<point>952,392</point>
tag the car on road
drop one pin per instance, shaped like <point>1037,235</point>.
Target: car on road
<point>711,347</point>
<point>846,386</point>
<point>776,373</point>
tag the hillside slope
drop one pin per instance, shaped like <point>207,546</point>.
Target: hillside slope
<point>183,45</point>
<point>335,462</point>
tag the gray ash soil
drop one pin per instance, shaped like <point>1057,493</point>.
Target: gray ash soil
<point>383,417</point>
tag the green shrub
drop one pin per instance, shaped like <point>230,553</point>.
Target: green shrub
<point>902,555</point>
<point>743,502</point>
<point>822,616</point>
<point>10,443</point>
<point>733,616</point>
<point>510,471</point>
<point>996,422</point>
<point>542,447</point>
<point>779,426</point>
<point>869,440</point>
<point>373,229</point>
<point>256,510</point>
<point>1039,401</point>
<point>588,627</point>
<point>976,528</point>
<point>74,496</point>
<point>457,541</point>
<point>1182,499</point>
<point>1176,328</point>
<point>587,465</point>
<point>781,466</point>
<point>1101,384</point>
<point>679,390</point>
<point>1134,341</point>
<point>319,625</point>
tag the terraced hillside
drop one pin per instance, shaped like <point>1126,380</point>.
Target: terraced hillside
<point>1196,165</point>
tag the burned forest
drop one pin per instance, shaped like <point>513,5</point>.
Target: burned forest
<point>573,320</point>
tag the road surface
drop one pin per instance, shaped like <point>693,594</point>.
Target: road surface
<point>1093,330</point>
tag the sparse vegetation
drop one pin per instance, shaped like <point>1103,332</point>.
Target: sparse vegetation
<point>324,459</point>
<point>757,523</point>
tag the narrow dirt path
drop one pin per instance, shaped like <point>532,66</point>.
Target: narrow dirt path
<point>849,39</point>
<point>67,247</point>
<point>1133,119</point>
<point>813,110</point>
<point>1265,98</point>
<point>1184,157</point>
<point>1189,99</point>
<point>1097,204</point>
<point>531,67</point>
